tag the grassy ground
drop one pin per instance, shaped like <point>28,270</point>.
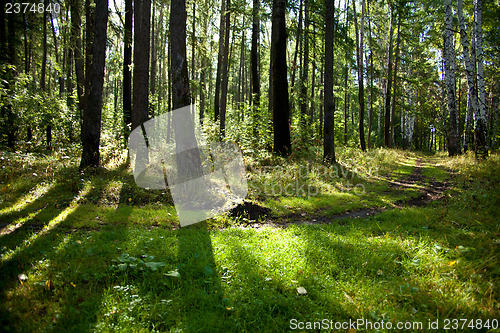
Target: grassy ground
<point>92,252</point>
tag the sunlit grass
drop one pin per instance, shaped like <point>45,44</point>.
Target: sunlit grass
<point>403,264</point>
<point>37,192</point>
<point>50,225</point>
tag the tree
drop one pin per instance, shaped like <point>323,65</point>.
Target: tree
<point>127,63</point>
<point>279,87</point>
<point>329,137</point>
<point>142,16</point>
<point>480,127</point>
<point>305,67</point>
<point>254,57</point>
<point>224,74</point>
<point>91,129</point>
<point>449,60</point>
<point>469,70</point>
<point>220,60</point>
<point>359,58</point>
<point>387,118</point>
<point>188,160</point>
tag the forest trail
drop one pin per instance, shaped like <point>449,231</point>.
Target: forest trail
<point>429,192</point>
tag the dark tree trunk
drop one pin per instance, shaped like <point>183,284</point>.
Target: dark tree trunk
<point>225,65</point>
<point>361,87</point>
<point>370,112</point>
<point>449,59</point>
<point>280,103</point>
<point>220,60</point>
<point>387,118</point>
<point>305,66</point>
<point>127,62</point>
<point>91,131</point>
<point>142,19</point>
<point>89,38</point>
<point>188,161</point>
<point>254,60</point>
<point>329,134</point>
<point>193,46</point>
<point>152,86</point>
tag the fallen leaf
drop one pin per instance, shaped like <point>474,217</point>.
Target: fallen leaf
<point>451,263</point>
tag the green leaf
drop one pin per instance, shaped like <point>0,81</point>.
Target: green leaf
<point>154,265</point>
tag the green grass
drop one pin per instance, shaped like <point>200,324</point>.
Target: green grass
<point>100,254</point>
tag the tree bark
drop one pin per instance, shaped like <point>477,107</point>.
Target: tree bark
<point>91,130</point>
<point>279,87</point>
<point>254,61</point>
<point>394,82</point>
<point>449,59</point>
<point>387,118</point>
<point>329,135</point>
<point>224,74</point>
<point>220,60</point>
<point>480,129</point>
<point>370,111</point>
<point>469,70</point>
<point>305,68</point>
<point>361,88</point>
<point>127,63</point>
<point>188,161</point>
<point>142,19</point>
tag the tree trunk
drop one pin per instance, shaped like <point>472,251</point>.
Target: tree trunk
<point>152,65</point>
<point>387,118</point>
<point>188,160</point>
<point>480,136</point>
<point>361,88</point>
<point>220,60</point>
<point>329,135</point>
<point>279,87</point>
<point>469,70</point>
<point>370,111</point>
<point>193,46</point>
<point>91,130</point>
<point>127,63</point>
<point>254,63</point>
<point>394,83</point>
<point>449,59</point>
<point>224,79</point>
<point>305,69</point>
<point>89,38</point>
<point>142,19</point>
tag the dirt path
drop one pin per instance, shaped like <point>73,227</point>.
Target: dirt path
<point>428,193</point>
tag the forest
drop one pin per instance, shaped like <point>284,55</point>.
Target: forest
<point>347,153</point>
